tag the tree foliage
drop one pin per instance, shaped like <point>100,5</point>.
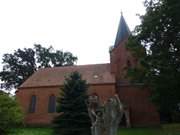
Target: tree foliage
<point>74,119</point>
<point>48,57</point>
<point>18,66</point>
<point>159,66</point>
<point>10,113</point>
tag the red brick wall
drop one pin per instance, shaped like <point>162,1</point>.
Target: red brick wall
<point>142,111</point>
<point>103,91</point>
<point>41,115</point>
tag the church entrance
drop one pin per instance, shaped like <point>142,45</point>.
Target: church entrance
<point>125,121</point>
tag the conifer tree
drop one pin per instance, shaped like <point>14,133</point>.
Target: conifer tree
<point>73,118</point>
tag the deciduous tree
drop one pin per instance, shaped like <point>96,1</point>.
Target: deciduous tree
<point>159,66</point>
<point>21,64</point>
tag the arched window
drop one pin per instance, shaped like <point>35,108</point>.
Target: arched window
<point>129,64</point>
<point>32,105</point>
<point>52,104</point>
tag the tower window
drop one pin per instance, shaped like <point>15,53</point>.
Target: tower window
<point>32,106</point>
<point>128,64</point>
<point>52,104</point>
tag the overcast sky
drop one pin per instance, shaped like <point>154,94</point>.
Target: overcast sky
<point>87,28</point>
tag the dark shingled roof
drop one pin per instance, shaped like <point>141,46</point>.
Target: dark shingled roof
<point>93,74</point>
<point>123,31</point>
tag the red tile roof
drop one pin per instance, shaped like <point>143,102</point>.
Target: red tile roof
<point>93,74</point>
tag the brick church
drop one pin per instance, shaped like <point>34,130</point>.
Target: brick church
<point>37,95</point>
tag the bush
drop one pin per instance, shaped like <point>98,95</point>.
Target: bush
<point>176,116</point>
<point>10,113</point>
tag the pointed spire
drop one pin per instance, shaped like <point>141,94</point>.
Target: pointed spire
<point>121,13</point>
<point>123,31</point>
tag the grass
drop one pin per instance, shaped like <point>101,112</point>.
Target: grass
<point>148,131</point>
<point>169,129</point>
<point>140,131</point>
<point>31,131</point>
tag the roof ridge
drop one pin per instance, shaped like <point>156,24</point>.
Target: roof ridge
<point>73,66</point>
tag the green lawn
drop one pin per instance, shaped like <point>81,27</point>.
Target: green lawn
<point>148,131</point>
<point>172,129</point>
<point>168,129</point>
<point>31,131</point>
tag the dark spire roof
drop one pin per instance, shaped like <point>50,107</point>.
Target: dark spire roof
<point>123,31</point>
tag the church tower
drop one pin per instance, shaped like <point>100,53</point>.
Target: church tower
<point>135,97</point>
<point>120,57</point>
